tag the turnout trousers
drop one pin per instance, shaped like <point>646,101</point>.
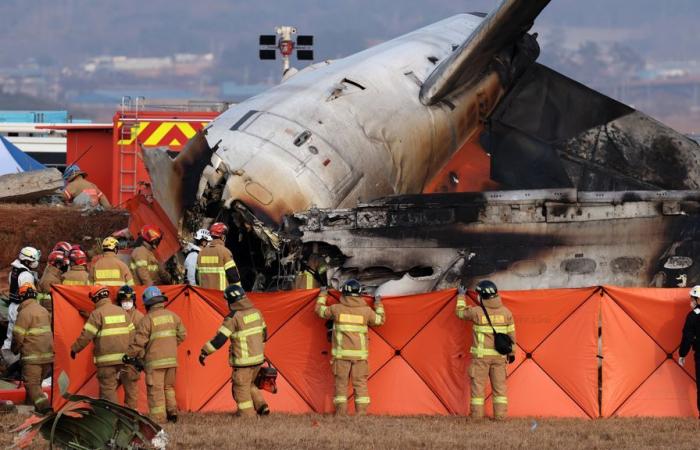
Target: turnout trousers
<point>33,375</point>
<point>110,377</point>
<point>160,390</point>
<point>248,397</point>
<point>344,371</point>
<point>480,371</point>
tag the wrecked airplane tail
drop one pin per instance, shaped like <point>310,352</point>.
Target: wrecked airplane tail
<point>504,27</point>
<point>175,182</point>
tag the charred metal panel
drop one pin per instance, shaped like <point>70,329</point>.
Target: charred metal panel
<point>527,242</point>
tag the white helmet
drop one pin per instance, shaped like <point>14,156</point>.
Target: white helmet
<point>30,257</point>
<point>695,292</point>
<point>202,235</point>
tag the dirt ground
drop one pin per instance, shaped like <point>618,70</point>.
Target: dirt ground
<point>223,431</point>
<point>43,226</point>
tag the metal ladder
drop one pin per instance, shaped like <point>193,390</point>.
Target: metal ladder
<point>128,153</point>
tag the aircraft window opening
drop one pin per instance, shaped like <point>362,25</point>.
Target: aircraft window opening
<point>302,138</point>
<point>433,59</point>
<point>313,150</point>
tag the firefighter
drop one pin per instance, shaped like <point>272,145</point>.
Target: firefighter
<point>80,191</point>
<point>216,268</point>
<point>53,274</point>
<point>33,340</point>
<point>110,330</point>
<point>351,317</point>
<point>314,276</point>
<point>146,268</point>
<point>487,362</point>
<point>129,376</point>
<point>245,327</point>
<point>691,338</point>
<point>201,238</point>
<point>21,272</point>
<point>155,344</point>
<point>78,274</point>
<point>108,269</point>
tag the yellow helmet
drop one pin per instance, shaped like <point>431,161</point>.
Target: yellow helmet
<point>110,244</point>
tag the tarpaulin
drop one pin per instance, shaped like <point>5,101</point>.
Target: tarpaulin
<point>419,357</point>
<point>641,333</point>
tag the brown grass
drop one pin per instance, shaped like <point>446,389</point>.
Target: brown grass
<point>223,431</point>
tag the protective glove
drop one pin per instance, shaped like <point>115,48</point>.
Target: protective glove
<point>681,361</point>
<point>510,359</point>
<point>461,289</point>
<point>72,354</point>
<point>202,357</point>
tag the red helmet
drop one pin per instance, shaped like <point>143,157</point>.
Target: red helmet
<point>64,247</point>
<point>218,230</point>
<point>57,258</point>
<point>78,258</point>
<point>151,234</point>
<point>98,292</point>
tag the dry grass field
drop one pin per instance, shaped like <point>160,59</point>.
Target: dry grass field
<point>223,431</point>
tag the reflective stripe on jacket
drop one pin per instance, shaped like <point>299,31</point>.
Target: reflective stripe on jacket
<point>146,268</point>
<point>77,276</point>
<point>483,340</point>
<point>247,331</point>
<point>109,270</point>
<point>111,332</point>
<point>212,263</point>
<point>32,336</point>
<point>351,317</point>
<point>157,336</point>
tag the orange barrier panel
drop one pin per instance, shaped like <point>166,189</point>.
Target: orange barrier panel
<point>641,333</point>
<point>419,358</point>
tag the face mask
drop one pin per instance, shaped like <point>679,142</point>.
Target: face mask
<point>127,305</point>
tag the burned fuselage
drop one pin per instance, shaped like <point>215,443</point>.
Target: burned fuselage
<point>388,121</point>
<point>519,239</point>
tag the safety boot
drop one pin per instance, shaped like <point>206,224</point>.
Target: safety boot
<point>264,410</point>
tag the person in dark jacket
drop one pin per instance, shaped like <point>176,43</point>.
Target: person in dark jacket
<point>691,337</point>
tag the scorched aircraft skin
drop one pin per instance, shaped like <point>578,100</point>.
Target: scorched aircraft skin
<point>387,121</point>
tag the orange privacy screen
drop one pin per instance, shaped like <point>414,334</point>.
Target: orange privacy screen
<point>419,358</point>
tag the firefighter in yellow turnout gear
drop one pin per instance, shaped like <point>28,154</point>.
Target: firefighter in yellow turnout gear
<point>154,346</point>
<point>487,361</point>
<point>351,317</point>
<point>245,327</point>
<point>216,268</point>
<point>33,340</point>
<point>108,269</point>
<point>111,332</point>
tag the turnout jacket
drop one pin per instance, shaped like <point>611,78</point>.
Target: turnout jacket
<point>111,332</point>
<point>691,334</point>
<point>109,270</point>
<point>246,328</point>
<point>52,275</point>
<point>157,336</point>
<point>146,268</point>
<point>82,186</point>
<point>216,268</point>
<point>32,337</point>
<point>351,317</point>
<point>483,339</point>
<point>77,276</point>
